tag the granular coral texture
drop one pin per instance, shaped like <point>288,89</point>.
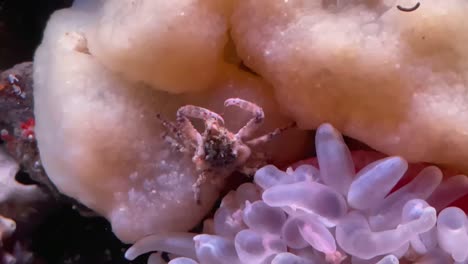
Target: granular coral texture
<point>107,149</point>
<point>329,215</point>
<point>162,29</point>
<point>378,74</point>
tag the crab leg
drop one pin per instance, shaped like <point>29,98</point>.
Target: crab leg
<point>202,178</point>
<point>198,112</point>
<point>253,123</point>
<point>169,125</point>
<point>267,137</point>
<point>174,130</point>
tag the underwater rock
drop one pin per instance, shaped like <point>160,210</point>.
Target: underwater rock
<point>17,122</point>
<point>18,201</point>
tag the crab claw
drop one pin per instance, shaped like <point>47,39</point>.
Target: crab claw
<point>246,105</point>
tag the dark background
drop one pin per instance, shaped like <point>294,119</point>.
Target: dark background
<point>21,25</point>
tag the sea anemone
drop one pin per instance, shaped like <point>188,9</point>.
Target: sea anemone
<point>331,215</point>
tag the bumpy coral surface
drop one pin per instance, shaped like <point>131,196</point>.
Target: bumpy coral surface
<point>330,214</point>
<point>158,42</point>
<point>379,74</point>
<point>101,142</point>
<point>394,80</point>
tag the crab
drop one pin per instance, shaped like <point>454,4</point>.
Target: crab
<point>218,151</point>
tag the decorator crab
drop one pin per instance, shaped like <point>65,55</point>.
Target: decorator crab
<point>218,151</point>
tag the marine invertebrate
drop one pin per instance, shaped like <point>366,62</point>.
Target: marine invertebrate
<point>378,74</point>
<point>329,215</point>
<point>100,141</point>
<point>218,152</point>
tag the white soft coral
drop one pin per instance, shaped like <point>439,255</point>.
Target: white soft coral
<point>378,74</point>
<point>100,140</point>
<point>158,42</point>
